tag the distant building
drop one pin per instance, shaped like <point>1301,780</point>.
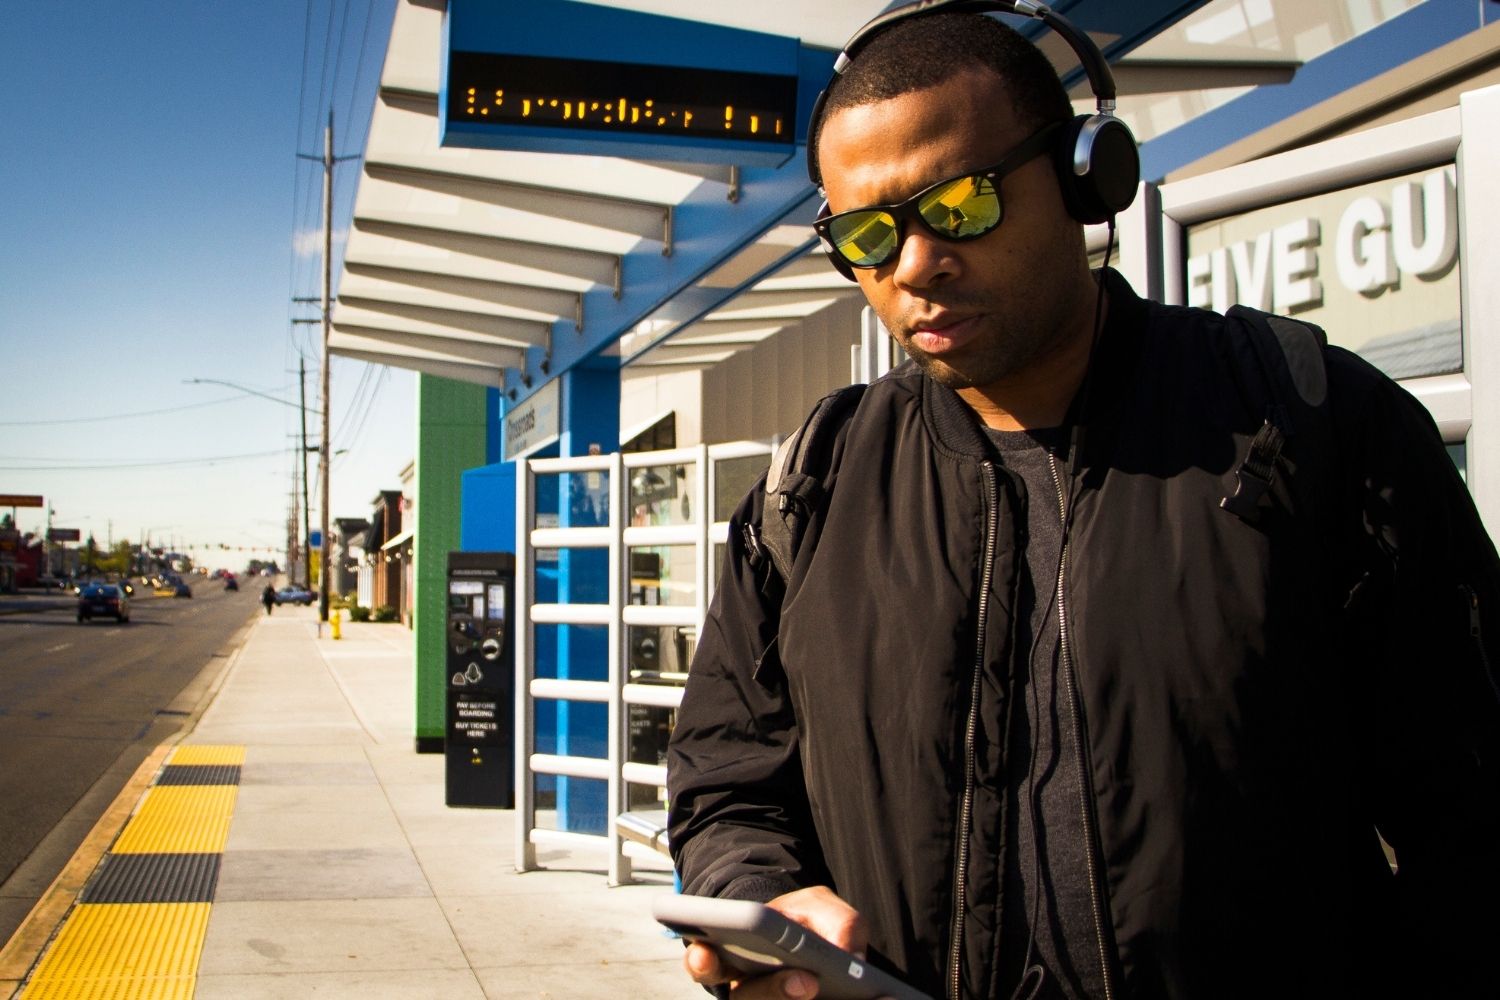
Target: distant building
<point>347,554</point>
<point>387,549</point>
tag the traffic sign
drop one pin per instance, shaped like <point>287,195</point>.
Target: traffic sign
<point>64,534</point>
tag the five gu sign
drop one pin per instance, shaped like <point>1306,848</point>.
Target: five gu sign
<point>1380,239</point>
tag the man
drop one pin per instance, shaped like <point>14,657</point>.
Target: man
<point>1031,714</point>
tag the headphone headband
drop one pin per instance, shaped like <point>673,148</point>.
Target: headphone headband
<point>1095,66</point>
<point>1101,80</point>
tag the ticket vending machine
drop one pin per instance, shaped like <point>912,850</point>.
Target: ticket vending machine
<point>479,742</point>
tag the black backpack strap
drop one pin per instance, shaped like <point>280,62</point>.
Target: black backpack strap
<point>795,483</point>
<point>1289,357</point>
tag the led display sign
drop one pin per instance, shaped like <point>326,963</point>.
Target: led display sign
<point>568,77</point>
<point>592,96</point>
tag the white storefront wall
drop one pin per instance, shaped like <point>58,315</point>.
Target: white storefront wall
<point>1385,239</point>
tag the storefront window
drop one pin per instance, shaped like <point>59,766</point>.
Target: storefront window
<point>1376,266</point>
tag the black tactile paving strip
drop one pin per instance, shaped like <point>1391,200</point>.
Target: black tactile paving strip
<point>199,774</point>
<point>154,878</point>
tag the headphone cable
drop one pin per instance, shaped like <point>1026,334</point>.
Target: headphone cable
<point>1036,974</point>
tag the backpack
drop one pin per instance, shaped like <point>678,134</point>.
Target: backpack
<point>1289,372</point>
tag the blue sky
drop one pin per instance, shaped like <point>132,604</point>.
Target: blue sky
<point>154,225</point>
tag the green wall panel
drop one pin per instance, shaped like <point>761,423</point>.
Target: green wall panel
<point>450,439</point>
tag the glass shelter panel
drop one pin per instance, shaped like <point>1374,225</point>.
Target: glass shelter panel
<point>662,495</point>
<point>733,478</point>
<point>663,574</point>
<point>572,499</point>
<point>660,654</point>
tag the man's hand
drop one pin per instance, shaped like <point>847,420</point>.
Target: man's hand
<point>817,909</point>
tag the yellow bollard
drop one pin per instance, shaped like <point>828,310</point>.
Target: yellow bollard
<point>333,623</point>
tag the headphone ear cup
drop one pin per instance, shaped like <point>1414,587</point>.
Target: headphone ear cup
<point>1098,167</point>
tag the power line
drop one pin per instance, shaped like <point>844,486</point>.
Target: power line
<point>359,67</point>
<point>354,400</point>
<point>338,55</point>
<point>359,428</point>
<point>212,460</point>
<point>120,416</point>
<point>323,73</point>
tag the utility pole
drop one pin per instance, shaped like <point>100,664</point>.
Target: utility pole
<point>325,447</point>
<point>291,525</point>
<point>306,510</point>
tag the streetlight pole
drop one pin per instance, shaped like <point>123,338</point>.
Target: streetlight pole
<point>245,389</point>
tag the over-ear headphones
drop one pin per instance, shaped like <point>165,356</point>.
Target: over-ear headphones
<point>1097,162</point>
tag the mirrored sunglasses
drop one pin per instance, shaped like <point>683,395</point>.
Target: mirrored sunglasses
<point>959,208</point>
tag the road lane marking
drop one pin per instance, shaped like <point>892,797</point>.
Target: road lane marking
<point>59,647</point>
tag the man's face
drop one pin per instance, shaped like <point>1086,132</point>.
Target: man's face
<point>976,314</point>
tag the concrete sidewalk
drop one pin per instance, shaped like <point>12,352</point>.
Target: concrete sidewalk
<point>345,875</point>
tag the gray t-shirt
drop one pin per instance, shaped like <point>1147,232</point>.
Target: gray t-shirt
<point>1046,890</point>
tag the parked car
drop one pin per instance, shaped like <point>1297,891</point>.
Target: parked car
<point>103,600</point>
<point>295,595</point>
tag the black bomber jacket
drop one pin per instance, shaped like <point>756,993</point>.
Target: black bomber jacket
<point>1260,703</point>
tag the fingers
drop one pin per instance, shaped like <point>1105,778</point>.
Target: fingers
<point>826,915</point>
<point>703,965</point>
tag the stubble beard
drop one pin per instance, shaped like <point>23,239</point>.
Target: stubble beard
<point>995,356</point>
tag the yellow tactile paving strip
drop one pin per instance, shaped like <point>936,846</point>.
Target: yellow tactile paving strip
<point>124,950</point>
<point>180,819</point>
<point>135,950</point>
<point>207,755</point>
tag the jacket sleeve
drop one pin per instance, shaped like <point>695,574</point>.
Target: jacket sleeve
<point>739,823</point>
<point>1426,614</point>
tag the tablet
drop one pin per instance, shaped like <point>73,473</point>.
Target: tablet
<point>755,940</point>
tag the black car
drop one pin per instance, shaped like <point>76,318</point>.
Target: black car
<point>230,583</point>
<point>104,600</point>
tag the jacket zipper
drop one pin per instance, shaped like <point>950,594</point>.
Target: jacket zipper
<point>1476,633</point>
<point>1086,785</point>
<point>966,807</point>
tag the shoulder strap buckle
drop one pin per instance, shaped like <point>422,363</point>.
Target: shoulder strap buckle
<point>1255,474</point>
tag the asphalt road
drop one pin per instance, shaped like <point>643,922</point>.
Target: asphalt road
<point>81,705</point>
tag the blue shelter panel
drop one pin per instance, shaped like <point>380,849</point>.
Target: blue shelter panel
<point>590,425</point>
<point>487,519</point>
<point>493,411</point>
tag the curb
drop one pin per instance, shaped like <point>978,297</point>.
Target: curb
<point>31,938</point>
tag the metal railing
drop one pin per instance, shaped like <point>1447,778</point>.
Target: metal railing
<point>626,834</point>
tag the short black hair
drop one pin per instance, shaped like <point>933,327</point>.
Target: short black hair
<point>926,50</point>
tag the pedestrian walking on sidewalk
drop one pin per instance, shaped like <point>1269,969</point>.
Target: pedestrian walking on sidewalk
<point>268,598</point>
